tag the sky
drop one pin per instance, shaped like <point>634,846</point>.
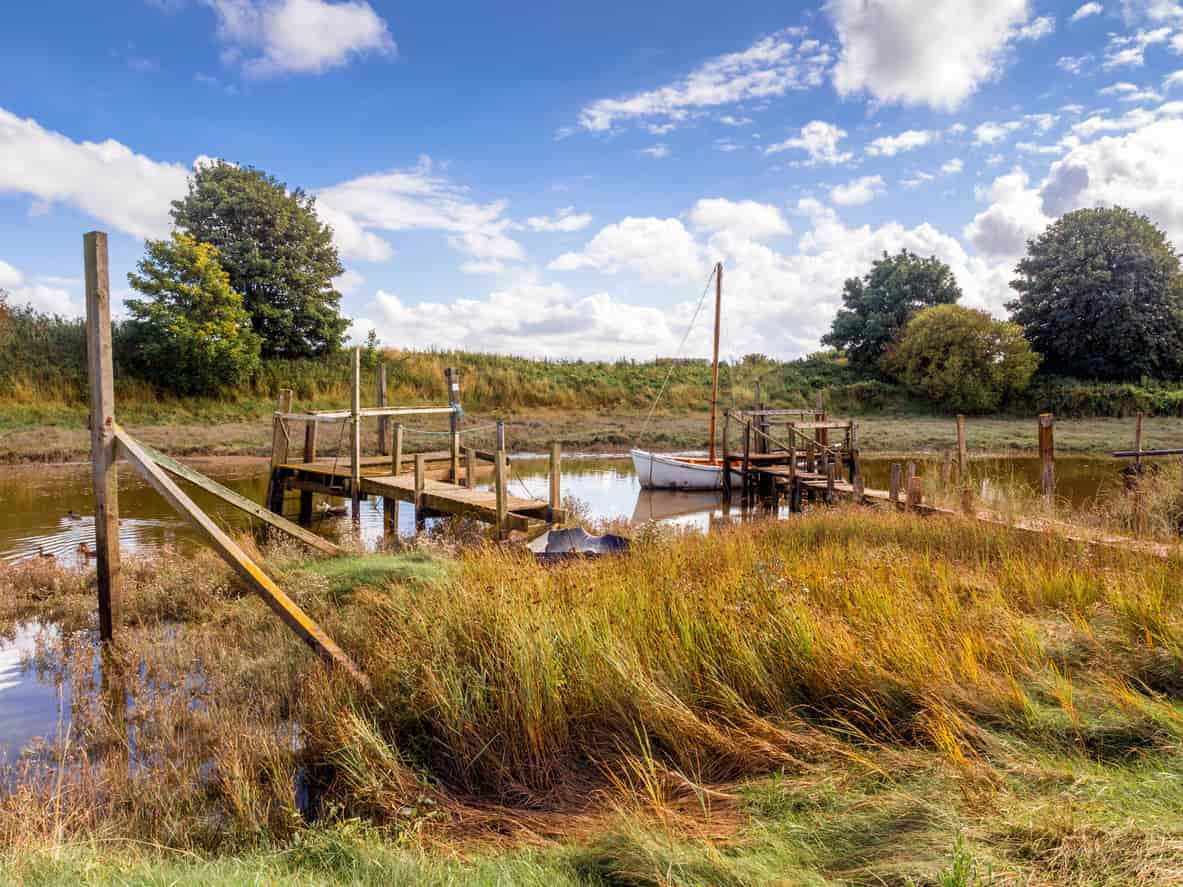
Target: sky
<point>556,179</point>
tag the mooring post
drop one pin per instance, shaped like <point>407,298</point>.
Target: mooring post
<point>279,450</point>
<point>452,378</point>
<point>967,501</point>
<point>383,421</point>
<point>747,461</point>
<point>310,432</point>
<point>499,483</point>
<point>915,493</point>
<point>470,467</point>
<point>859,487</point>
<point>823,434</point>
<point>962,454</point>
<point>1047,457</point>
<point>396,459</point>
<point>101,371</point>
<point>893,492</point>
<point>556,495</point>
<point>829,482</point>
<point>726,490</point>
<point>909,476</point>
<point>1138,441</point>
<point>420,472</point>
<point>355,439</point>
<point>947,468</point>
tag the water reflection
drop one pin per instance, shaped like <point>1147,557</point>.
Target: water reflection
<point>32,704</point>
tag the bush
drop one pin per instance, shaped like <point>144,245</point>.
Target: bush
<point>192,335</point>
<point>962,359</point>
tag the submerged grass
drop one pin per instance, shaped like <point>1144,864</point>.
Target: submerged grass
<point>846,698</point>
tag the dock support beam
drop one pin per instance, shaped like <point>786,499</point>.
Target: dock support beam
<point>556,494</point>
<point>310,432</point>
<point>499,481</point>
<point>1047,457</point>
<point>396,459</point>
<point>893,493</point>
<point>962,453</point>
<point>279,450</point>
<point>420,469</point>
<point>470,467</point>
<point>101,369</point>
<point>355,439</point>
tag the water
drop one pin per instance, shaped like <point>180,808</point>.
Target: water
<point>47,511</point>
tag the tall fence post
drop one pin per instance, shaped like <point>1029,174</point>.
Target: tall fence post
<point>915,493</point>
<point>962,454</point>
<point>556,492</point>
<point>310,434</point>
<point>101,370</point>
<point>894,491</point>
<point>1138,440</point>
<point>383,421</point>
<point>355,438</point>
<point>279,450</point>
<point>420,478</point>
<point>396,459</point>
<point>1047,457</point>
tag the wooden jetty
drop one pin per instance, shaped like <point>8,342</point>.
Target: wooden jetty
<point>435,483</point>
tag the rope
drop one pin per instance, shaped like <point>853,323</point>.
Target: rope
<point>446,433</point>
<point>678,354</point>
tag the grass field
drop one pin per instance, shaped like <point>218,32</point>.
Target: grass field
<point>847,698</point>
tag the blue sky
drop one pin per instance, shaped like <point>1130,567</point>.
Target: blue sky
<point>558,179</point>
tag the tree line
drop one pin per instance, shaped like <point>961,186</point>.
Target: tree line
<point>1099,297</point>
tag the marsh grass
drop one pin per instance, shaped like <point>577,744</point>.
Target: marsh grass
<point>845,698</point>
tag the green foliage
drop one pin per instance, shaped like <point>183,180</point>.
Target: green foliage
<point>962,358</point>
<point>1101,297</point>
<point>877,306</point>
<point>278,253</point>
<point>192,334</point>
<point>1084,399</point>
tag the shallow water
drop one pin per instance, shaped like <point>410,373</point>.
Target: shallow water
<point>47,511</point>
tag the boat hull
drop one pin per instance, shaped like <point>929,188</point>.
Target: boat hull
<point>658,472</point>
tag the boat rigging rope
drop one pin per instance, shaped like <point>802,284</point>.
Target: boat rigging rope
<point>678,354</point>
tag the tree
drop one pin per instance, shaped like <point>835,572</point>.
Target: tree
<point>1101,297</point>
<point>962,359</point>
<point>878,305</point>
<point>278,254</point>
<point>192,334</point>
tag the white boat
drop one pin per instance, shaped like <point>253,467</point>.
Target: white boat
<point>658,472</point>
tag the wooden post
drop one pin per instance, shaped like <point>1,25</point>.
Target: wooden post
<point>962,454</point>
<point>556,496</point>
<point>499,483</point>
<point>909,476</point>
<point>715,359</point>
<point>355,439</point>
<point>947,468</point>
<point>279,450</point>
<point>792,459</point>
<point>859,487</point>
<point>389,517</point>
<point>1138,441</point>
<point>383,421</point>
<point>726,480</point>
<point>310,432</point>
<point>893,492</point>
<point>747,460</point>
<point>915,493</point>
<point>396,459</point>
<point>967,501</point>
<point>1047,457</point>
<point>100,368</point>
<point>420,470</point>
<point>823,434</point>
<point>454,470</point>
<point>470,468</point>
<point>500,438</point>
<point>829,482</point>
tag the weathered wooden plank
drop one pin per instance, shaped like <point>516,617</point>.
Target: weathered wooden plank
<point>283,606</point>
<point>101,370</point>
<point>177,469</point>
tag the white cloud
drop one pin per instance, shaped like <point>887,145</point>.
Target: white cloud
<point>1153,10</point>
<point>1037,29</point>
<point>732,120</point>
<point>917,180</point>
<point>45,294</point>
<point>1128,92</point>
<point>106,180</point>
<point>657,249</point>
<point>657,152</point>
<point>565,220</point>
<point>482,266</point>
<point>1014,216</point>
<point>1041,122</point>
<point>348,282</point>
<point>990,133</point>
<point>889,146</point>
<point>1073,64</point>
<point>858,191</point>
<point>418,199</point>
<point>747,218</point>
<point>819,140</point>
<point>1087,10</point>
<point>1129,50</point>
<point>1172,80</point>
<point>768,68</point>
<point>270,37</point>
<point>952,167</point>
<point>931,52</point>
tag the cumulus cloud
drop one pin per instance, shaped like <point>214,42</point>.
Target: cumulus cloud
<point>1088,9</point>
<point>818,139</point>
<point>757,221</point>
<point>990,133</point>
<point>657,249</point>
<point>1129,50</point>
<point>271,37</point>
<point>657,152</point>
<point>1073,64</point>
<point>889,146</point>
<point>1037,29</point>
<point>565,220</point>
<point>924,52</point>
<point>953,166</point>
<point>858,191</point>
<point>768,68</point>
<point>1014,216</point>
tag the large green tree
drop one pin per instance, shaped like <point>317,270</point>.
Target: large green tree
<point>192,334</point>
<point>1101,297</point>
<point>279,255</point>
<point>961,358</point>
<point>877,306</point>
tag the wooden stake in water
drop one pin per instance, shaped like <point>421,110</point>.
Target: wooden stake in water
<point>101,371</point>
<point>962,453</point>
<point>279,450</point>
<point>355,438</point>
<point>893,492</point>
<point>1047,457</point>
<point>310,434</point>
<point>556,456</point>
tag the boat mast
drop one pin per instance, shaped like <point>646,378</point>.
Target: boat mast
<point>715,360</point>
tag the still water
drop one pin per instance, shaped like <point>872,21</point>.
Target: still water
<point>47,511</point>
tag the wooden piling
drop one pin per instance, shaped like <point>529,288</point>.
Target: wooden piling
<point>454,469</point>
<point>279,450</point>
<point>947,468</point>
<point>396,459</point>
<point>470,467</point>
<point>383,421</point>
<point>101,369</point>
<point>915,493</point>
<point>1047,457</point>
<point>420,477</point>
<point>967,501</point>
<point>962,453</point>
<point>1138,441</point>
<point>829,482</point>
<point>893,492</point>
<point>310,434</point>
<point>499,482</point>
<point>747,460</point>
<point>556,494</point>
<point>355,439</point>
